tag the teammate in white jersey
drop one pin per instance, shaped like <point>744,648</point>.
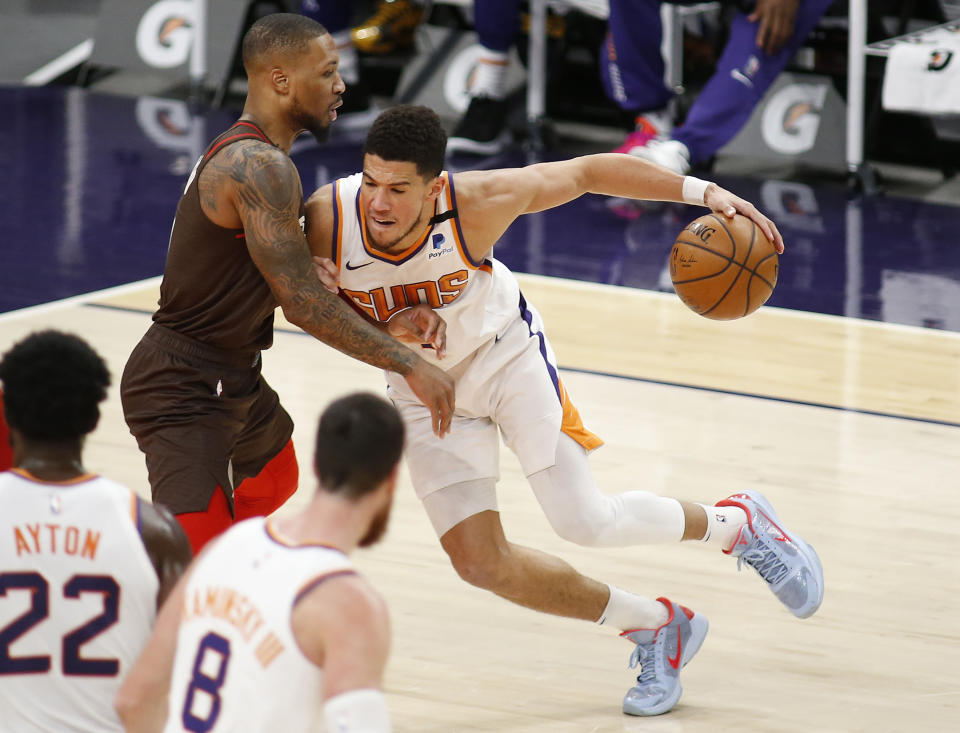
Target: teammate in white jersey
<point>404,232</point>
<point>272,620</point>
<point>84,562</point>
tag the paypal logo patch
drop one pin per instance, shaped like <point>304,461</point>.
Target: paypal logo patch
<point>438,248</point>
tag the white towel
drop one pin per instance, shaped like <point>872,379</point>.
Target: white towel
<point>924,75</point>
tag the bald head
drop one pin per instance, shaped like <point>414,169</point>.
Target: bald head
<point>279,34</point>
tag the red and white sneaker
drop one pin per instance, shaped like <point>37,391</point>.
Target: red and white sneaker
<point>788,565</point>
<point>661,654</point>
<point>650,126</point>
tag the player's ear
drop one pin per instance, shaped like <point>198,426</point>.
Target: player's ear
<point>279,80</point>
<point>436,186</point>
<point>390,482</point>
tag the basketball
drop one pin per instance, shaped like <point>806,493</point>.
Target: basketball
<point>723,268</point>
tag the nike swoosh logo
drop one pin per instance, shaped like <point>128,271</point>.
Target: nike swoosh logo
<point>675,661</point>
<point>357,267</point>
<point>742,78</point>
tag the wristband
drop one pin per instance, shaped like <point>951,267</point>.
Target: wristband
<point>357,711</point>
<point>694,190</point>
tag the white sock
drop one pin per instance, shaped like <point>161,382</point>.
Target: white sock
<point>628,612</point>
<point>349,67</point>
<point>723,524</point>
<point>491,75</point>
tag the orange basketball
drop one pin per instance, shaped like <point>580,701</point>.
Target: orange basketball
<point>723,268</point>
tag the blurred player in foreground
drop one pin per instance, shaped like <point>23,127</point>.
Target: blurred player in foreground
<point>84,562</point>
<point>273,620</point>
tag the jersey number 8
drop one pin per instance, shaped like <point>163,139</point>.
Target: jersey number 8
<point>202,682</point>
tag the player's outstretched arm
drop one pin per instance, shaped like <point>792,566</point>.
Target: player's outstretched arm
<point>507,193</point>
<point>491,200</point>
<point>343,625</point>
<point>267,197</point>
<point>167,546</point>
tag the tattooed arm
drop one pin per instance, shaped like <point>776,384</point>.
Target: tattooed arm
<point>263,187</point>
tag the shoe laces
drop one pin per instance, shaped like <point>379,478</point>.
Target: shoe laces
<point>764,560</point>
<point>643,656</point>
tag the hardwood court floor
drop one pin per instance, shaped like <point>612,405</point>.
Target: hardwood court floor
<point>873,486</point>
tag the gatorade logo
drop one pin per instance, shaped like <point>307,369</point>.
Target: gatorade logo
<point>165,33</point>
<point>791,119</point>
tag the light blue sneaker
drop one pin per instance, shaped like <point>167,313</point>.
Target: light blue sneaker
<point>661,654</point>
<point>788,564</point>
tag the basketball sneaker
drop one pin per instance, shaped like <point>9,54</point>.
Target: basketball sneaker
<point>671,154</point>
<point>391,27</point>
<point>648,127</point>
<point>661,654</point>
<point>482,129</point>
<point>790,567</point>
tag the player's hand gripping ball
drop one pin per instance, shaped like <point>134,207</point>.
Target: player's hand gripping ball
<point>723,268</point>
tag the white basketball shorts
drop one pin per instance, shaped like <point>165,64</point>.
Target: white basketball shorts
<point>512,383</point>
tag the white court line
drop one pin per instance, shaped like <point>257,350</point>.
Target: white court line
<point>60,65</point>
<point>574,284</point>
<point>79,299</point>
<point>791,312</point>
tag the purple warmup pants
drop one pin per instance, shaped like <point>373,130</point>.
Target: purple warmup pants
<point>497,23</point>
<point>334,15</point>
<point>632,70</point>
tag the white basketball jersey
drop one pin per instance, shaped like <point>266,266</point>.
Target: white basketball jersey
<point>477,299</point>
<point>238,666</point>
<point>78,598</point>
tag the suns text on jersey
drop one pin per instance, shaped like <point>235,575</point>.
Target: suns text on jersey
<point>381,303</point>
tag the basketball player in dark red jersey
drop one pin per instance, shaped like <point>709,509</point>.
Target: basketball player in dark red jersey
<point>6,452</point>
<point>217,441</point>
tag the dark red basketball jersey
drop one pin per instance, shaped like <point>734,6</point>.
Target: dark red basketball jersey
<point>211,290</point>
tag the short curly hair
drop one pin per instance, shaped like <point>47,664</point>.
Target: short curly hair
<point>53,384</point>
<point>410,134</point>
<point>278,32</point>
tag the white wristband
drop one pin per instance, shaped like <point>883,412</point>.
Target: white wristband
<point>357,711</point>
<point>694,190</point>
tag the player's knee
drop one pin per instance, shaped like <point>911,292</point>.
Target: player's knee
<point>579,530</point>
<point>266,492</point>
<point>481,569</point>
<point>583,522</point>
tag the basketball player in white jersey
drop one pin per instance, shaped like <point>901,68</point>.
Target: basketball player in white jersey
<point>84,562</point>
<point>272,619</point>
<point>404,232</point>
